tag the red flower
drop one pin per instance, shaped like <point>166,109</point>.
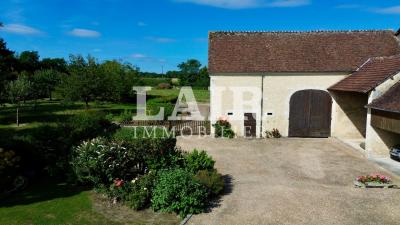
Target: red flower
<point>118,183</point>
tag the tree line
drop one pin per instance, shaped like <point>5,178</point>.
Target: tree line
<point>25,76</point>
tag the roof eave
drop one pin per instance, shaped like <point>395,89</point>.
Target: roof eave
<point>382,109</point>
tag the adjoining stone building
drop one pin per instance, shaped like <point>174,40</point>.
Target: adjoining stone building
<point>296,77</point>
<point>375,77</point>
<point>384,114</point>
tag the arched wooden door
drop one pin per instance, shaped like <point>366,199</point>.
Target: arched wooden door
<point>310,114</point>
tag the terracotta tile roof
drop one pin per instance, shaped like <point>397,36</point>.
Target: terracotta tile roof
<point>390,101</point>
<point>374,72</point>
<point>320,51</point>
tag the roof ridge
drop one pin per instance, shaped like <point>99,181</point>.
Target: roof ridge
<point>380,58</point>
<point>309,31</point>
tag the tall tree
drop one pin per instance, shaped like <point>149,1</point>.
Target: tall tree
<point>44,82</point>
<point>192,74</point>
<point>84,82</point>
<point>119,79</point>
<point>7,65</point>
<point>57,64</point>
<point>191,66</point>
<point>17,92</point>
<point>29,61</point>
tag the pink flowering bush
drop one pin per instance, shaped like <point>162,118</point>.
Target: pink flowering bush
<point>374,178</point>
<point>223,128</point>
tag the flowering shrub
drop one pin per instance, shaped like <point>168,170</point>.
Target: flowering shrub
<point>223,128</point>
<point>99,162</point>
<point>148,171</point>
<point>196,161</point>
<point>374,178</point>
<point>273,134</point>
<point>154,153</point>
<point>47,148</point>
<point>141,193</point>
<point>177,191</point>
<point>118,183</point>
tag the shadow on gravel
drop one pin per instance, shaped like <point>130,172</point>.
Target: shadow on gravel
<point>216,202</point>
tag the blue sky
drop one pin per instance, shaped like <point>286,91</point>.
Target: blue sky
<point>162,33</point>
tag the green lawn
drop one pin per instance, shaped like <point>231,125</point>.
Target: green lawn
<point>57,203</point>
<point>53,111</point>
<point>202,96</point>
<point>48,202</point>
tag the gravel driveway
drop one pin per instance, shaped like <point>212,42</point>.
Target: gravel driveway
<point>294,181</point>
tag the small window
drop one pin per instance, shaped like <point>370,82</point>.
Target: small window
<point>269,114</point>
<point>230,113</point>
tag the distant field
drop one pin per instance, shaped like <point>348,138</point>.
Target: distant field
<point>153,82</point>
<point>202,96</point>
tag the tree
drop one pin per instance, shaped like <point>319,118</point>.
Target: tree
<point>44,82</point>
<point>17,92</point>
<point>29,61</point>
<point>84,82</point>
<point>7,65</point>
<point>191,66</point>
<point>119,78</point>
<point>203,78</point>
<point>57,64</point>
<point>192,74</point>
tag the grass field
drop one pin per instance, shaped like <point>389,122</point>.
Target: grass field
<point>48,202</point>
<point>46,111</point>
<point>53,111</point>
<point>202,96</point>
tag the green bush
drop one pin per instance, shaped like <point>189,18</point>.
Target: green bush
<point>48,148</point>
<point>164,86</point>
<point>99,162</point>
<point>212,180</point>
<point>141,192</point>
<point>196,161</point>
<point>88,125</point>
<point>223,129</point>
<point>125,116</point>
<point>123,156</point>
<point>177,191</point>
<point>274,133</point>
<point>131,134</point>
<point>155,153</point>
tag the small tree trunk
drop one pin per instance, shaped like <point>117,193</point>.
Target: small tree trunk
<point>50,94</point>
<point>17,116</point>
<point>87,103</point>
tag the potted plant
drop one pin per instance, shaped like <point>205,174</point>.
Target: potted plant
<point>374,180</point>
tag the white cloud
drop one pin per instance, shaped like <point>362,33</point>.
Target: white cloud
<point>242,4</point>
<point>389,10</point>
<point>20,29</point>
<point>138,56</point>
<point>348,6</point>
<point>289,3</point>
<point>142,24</point>
<point>85,33</point>
<point>161,39</point>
